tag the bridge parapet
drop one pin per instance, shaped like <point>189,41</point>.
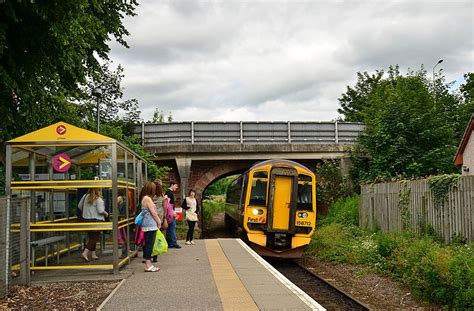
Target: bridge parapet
<point>248,133</point>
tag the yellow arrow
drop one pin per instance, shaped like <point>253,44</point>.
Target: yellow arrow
<point>65,162</point>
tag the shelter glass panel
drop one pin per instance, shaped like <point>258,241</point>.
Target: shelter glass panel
<point>121,163</point>
<point>20,165</point>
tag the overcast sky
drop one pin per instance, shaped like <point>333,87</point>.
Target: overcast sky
<point>281,60</point>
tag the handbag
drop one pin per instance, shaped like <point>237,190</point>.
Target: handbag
<point>139,236</point>
<point>169,211</point>
<point>139,218</point>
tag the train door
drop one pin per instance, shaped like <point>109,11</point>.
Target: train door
<point>282,200</point>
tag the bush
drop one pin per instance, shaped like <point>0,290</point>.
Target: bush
<point>345,211</point>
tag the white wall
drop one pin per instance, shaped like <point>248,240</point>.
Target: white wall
<point>468,156</point>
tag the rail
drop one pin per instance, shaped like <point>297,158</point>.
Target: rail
<point>158,134</point>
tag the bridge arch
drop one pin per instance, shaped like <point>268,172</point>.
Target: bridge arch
<point>218,172</point>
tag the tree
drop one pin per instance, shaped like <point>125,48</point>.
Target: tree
<point>354,101</point>
<point>47,51</point>
<point>159,117</point>
<point>412,125</point>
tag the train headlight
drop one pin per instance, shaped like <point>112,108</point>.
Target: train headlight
<point>303,215</point>
<point>257,211</point>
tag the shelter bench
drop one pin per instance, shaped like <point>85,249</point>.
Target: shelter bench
<point>45,242</point>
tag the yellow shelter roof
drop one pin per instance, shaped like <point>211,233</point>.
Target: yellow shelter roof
<point>61,132</point>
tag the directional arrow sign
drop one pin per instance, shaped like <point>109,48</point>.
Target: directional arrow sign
<point>61,162</point>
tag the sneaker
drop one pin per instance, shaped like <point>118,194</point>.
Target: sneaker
<point>188,243</point>
<point>177,246</point>
<point>192,242</point>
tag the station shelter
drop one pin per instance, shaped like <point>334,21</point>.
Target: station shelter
<point>52,169</point>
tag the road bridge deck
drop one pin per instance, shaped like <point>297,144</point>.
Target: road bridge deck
<point>223,274</point>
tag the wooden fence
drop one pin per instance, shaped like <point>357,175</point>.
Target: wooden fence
<point>382,207</point>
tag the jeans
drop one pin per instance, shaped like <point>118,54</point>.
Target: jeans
<point>189,235</point>
<point>171,234</point>
<point>149,242</point>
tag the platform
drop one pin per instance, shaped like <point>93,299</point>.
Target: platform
<point>222,274</point>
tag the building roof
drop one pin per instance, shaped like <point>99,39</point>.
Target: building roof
<point>458,159</point>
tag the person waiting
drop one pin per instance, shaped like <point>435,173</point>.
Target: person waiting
<point>93,209</point>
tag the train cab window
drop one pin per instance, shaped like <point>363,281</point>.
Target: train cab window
<point>258,194</point>
<point>262,174</point>
<point>305,197</point>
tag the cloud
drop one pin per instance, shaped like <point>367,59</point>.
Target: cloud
<point>281,60</point>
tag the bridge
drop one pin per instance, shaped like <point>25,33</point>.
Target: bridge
<point>202,152</point>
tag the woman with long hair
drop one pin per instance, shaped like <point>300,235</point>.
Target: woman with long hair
<point>93,210</point>
<point>190,204</point>
<point>151,223</point>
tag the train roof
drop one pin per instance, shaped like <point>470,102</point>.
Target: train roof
<point>283,162</point>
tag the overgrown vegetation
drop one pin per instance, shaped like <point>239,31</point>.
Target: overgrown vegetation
<point>331,184</point>
<point>404,203</point>
<point>211,208</point>
<point>434,272</point>
<point>441,185</point>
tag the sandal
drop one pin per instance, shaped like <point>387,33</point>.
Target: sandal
<point>152,269</point>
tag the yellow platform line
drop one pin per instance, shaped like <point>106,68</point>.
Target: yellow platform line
<point>233,294</point>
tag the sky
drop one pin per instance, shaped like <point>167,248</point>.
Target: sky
<point>281,60</point>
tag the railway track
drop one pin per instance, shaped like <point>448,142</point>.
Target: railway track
<point>324,293</point>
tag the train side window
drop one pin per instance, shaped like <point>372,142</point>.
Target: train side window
<point>258,194</point>
<point>233,192</point>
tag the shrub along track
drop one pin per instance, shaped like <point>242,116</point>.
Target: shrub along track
<point>324,293</point>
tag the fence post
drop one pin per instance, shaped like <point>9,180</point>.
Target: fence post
<point>241,133</point>
<point>143,133</point>
<point>336,132</point>
<point>289,132</point>
<point>25,243</point>
<point>192,132</point>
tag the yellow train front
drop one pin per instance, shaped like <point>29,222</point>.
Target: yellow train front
<point>274,202</point>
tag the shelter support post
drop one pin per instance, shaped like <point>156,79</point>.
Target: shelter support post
<point>25,243</point>
<point>115,211</point>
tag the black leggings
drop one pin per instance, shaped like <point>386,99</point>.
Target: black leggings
<point>189,235</point>
<point>149,242</point>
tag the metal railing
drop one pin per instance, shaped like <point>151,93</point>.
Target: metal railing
<point>249,133</point>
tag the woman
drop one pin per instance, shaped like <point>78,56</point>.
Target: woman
<point>191,206</point>
<point>93,210</point>
<point>159,201</point>
<point>151,223</point>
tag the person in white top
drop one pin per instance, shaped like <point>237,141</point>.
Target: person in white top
<point>93,210</point>
<point>191,206</point>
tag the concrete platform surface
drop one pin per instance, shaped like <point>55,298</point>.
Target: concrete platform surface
<point>223,274</point>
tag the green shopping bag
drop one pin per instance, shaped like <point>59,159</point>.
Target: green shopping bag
<point>160,246</point>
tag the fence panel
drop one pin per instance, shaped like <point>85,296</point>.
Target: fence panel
<point>380,209</point>
<point>10,242</point>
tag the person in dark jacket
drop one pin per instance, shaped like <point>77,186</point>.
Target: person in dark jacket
<point>171,231</point>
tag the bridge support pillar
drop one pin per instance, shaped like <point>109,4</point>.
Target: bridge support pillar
<point>346,165</point>
<point>184,170</point>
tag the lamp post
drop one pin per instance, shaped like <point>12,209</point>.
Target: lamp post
<point>97,93</point>
<point>439,62</point>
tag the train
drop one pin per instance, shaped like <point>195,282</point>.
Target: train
<point>274,206</point>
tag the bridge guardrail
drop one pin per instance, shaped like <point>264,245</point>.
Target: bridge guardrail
<point>249,133</point>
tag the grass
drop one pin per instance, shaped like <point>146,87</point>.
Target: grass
<point>438,273</point>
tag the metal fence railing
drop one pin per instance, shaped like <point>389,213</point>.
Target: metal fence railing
<point>12,244</point>
<point>249,133</point>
